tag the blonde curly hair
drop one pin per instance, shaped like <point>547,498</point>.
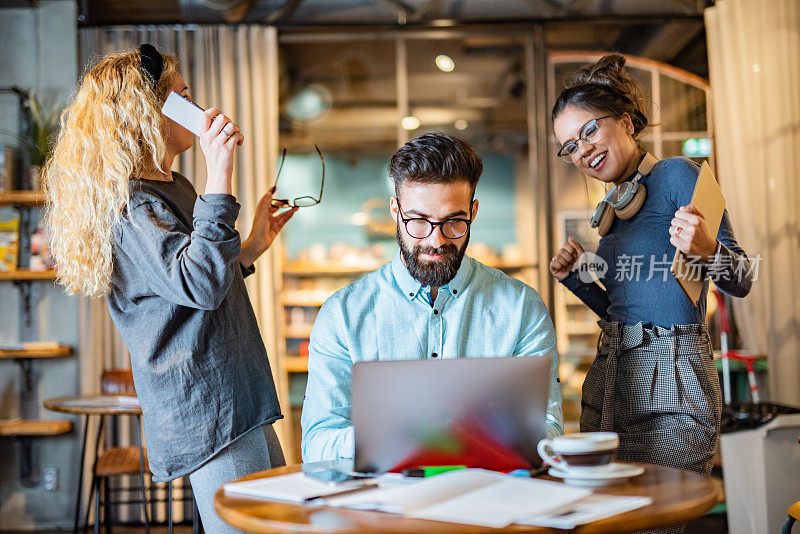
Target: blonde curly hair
<point>112,132</point>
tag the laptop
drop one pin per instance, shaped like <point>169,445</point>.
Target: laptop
<point>480,412</point>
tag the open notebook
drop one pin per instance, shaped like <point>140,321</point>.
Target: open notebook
<point>471,496</point>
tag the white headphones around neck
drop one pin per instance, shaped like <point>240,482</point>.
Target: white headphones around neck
<point>624,200</point>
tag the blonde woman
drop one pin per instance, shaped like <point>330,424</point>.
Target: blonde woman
<point>171,266</point>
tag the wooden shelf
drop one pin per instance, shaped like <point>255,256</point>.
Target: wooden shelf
<point>296,364</point>
<point>509,266</point>
<point>301,302</point>
<point>302,332</point>
<point>577,328</point>
<point>22,198</point>
<point>29,428</point>
<point>302,268</point>
<point>26,274</point>
<point>34,352</point>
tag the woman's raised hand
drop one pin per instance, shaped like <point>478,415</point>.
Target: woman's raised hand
<point>564,260</point>
<point>219,143</point>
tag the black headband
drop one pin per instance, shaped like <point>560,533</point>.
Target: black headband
<point>152,63</point>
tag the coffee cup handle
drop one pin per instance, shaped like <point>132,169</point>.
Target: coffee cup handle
<point>547,457</point>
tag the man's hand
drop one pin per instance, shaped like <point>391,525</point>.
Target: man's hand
<point>689,234</point>
<point>266,226</point>
<point>564,260</point>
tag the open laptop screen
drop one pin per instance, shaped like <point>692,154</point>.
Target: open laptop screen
<point>482,412</point>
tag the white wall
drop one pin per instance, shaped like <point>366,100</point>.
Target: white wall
<point>38,50</point>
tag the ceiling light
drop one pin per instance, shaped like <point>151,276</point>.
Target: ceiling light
<point>410,123</point>
<point>461,125</point>
<point>310,104</point>
<point>445,63</point>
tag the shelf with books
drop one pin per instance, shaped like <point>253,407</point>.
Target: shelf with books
<point>25,260</point>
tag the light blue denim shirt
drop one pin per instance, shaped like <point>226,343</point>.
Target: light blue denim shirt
<point>387,315</point>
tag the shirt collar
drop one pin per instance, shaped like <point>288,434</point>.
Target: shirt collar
<point>411,286</point>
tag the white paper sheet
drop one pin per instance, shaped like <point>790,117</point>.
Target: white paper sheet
<point>296,487</point>
<point>586,510</point>
<point>471,496</point>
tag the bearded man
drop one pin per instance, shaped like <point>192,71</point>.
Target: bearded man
<point>430,302</point>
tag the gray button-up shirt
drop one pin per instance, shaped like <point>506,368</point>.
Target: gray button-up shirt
<point>179,301</point>
<point>387,315</point>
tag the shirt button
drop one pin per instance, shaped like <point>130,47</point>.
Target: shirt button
<point>411,294</point>
<point>436,312</point>
<point>434,355</point>
<point>455,291</point>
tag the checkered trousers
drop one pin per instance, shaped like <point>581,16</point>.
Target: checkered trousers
<point>658,389</point>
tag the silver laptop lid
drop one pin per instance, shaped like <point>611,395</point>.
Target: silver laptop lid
<point>401,407</point>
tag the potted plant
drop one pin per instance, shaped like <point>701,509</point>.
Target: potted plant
<point>42,130</point>
<point>37,141</point>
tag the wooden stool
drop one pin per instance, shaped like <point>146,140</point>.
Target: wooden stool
<point>119,461</point>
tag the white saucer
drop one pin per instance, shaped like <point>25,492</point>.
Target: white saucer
<point>613,473</point>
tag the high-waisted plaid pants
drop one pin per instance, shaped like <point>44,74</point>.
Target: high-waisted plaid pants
<point>658,389</point>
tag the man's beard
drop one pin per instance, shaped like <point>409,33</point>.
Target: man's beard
<point>435,273</point>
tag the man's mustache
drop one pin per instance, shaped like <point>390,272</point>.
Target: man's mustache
<point>444,249</point>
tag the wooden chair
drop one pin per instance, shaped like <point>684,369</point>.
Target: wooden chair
<point>124,461</point>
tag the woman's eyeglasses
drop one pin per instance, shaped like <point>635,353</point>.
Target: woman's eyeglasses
<point>589,134</point>
<point>304,201</point>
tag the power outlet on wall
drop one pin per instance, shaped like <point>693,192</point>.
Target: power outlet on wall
<point>50,478</point>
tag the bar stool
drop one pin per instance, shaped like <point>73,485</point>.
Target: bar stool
<point>119,461</point>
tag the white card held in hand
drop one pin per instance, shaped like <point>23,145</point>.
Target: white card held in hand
<point>184,112</point>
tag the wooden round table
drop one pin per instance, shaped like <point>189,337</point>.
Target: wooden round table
<point>92,405</point>
<point>88,405</point>
<point>678,496</point>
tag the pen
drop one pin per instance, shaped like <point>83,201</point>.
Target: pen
<point>540,470</point>
<point>430,470</point>
<point>369,485</point>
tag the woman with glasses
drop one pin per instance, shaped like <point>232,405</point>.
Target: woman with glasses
<point>171,265</point>
<point>653,380</point>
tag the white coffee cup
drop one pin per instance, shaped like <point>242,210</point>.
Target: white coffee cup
<point>583,451</point>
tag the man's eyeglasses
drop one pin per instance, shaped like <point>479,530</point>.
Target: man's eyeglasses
<point>420,228</point>
<point>588,134</point>
<point>304,201</point>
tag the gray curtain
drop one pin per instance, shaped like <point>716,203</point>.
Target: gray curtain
<point>754,60</point>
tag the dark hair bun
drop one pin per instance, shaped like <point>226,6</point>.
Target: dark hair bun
<point>606,85</point>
